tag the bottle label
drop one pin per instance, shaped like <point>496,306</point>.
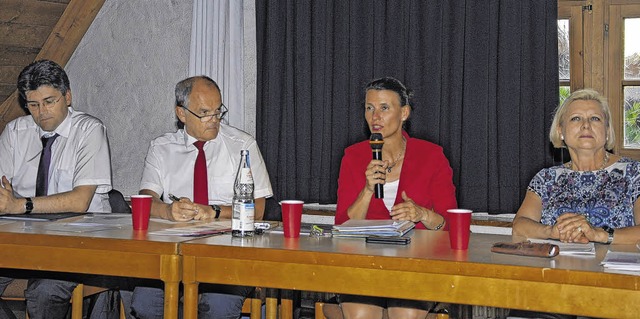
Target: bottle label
<point>245,176</point>
<point>243,216</point>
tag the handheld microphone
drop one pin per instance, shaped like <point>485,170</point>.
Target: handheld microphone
<point>376,144</point>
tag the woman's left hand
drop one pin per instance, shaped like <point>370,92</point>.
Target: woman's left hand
<point>408,210</point>
<point>574,228</point>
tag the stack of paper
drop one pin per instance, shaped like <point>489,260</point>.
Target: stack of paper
<point>204,229</point>
<point>622,262</point>
<point>572,249</point>
<point>372,227</point>
<point>43,217</point>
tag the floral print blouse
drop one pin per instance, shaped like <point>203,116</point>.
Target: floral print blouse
<point>605,196</point>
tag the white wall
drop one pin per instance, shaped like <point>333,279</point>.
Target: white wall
<point>124,72</point>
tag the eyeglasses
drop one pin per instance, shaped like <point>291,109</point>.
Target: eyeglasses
<point>222,111</point>
<point>48,102</point>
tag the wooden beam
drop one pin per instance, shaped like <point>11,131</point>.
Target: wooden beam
<point>59,46</point>
<point>69,30</point>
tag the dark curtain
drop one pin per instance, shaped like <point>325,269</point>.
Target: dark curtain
<point>484,74</point>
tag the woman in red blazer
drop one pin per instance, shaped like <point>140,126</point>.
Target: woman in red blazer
<point>417,182</point>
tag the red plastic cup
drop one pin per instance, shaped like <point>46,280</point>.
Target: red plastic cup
<point>140,211</point>
<point>459,228</point>
<point>291,217</point>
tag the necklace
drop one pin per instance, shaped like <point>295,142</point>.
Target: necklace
<point>569,164</point>
<point>400,155</point>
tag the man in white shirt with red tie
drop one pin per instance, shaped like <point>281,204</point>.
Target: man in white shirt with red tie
<point>198,164</point>
<point>55,159</point>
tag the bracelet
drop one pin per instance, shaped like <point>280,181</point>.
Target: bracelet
<point>437,227</point>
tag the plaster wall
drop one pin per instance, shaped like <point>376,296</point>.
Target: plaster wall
<point>124,72</point>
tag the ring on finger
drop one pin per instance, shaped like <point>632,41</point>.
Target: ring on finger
<point>579,228</point>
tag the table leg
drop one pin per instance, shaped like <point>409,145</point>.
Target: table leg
<point>190,300</point>
<point>171,299</point>
<point>190,286</point>
<point>171,274</point>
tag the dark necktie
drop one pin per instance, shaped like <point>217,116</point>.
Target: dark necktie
<point>42,181</point>
<point>200,188</point>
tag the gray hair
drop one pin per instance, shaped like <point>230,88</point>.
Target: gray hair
<point>183,88</point>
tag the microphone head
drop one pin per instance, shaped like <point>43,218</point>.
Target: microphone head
<point>376,141</point>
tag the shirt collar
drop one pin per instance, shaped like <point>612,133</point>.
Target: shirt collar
<point>189,140</point>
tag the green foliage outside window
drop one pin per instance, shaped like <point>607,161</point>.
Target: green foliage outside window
<point>564,93</point>
<point>632,126</point>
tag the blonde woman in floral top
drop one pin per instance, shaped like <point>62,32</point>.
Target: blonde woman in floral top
<point>593,197</point>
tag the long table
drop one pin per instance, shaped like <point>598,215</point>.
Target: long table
<point>426,269</point>
<point>114,252</point>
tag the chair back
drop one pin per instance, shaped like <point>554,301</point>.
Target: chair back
<point>118,203</point>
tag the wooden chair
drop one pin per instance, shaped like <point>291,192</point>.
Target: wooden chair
<point>332,311</point>
<point>252,307</point>
<point>515,313</point>
<point>15,291</point>
<point>118,203</point>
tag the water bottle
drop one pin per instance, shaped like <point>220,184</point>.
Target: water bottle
<point>243,201</point>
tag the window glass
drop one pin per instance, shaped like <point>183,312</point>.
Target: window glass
<point>631,117</point>
<point>631,49</point>
<point>631,93</point>
<point>563,50</point>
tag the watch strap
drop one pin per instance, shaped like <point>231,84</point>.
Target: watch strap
<point>28,206</point>
<point>610,232</point>
<point>217,209</point>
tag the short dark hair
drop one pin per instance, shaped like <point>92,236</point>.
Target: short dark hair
<point>39,73</point>
<point>392,84</point>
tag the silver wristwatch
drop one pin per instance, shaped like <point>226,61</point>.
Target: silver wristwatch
<point>609,231</point>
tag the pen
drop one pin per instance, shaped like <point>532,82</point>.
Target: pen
<point>173,198</point>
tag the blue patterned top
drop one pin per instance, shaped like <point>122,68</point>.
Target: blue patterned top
<point>605,196</point>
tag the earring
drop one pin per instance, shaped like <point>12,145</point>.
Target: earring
<point>562,137</point>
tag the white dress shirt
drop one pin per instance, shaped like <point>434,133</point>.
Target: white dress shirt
<point>79,156</point>
<point>170,161</point>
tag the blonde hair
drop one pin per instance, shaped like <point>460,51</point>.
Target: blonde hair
<point>582,95</point>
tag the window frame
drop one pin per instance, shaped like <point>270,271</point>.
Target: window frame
<point>572,11</point>
<point>616,82</point>
<point>596,55</point>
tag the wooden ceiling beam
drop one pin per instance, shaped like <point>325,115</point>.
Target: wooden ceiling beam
<point>58,47</point>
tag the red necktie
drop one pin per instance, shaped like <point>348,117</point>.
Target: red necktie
<point>200,189</point>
